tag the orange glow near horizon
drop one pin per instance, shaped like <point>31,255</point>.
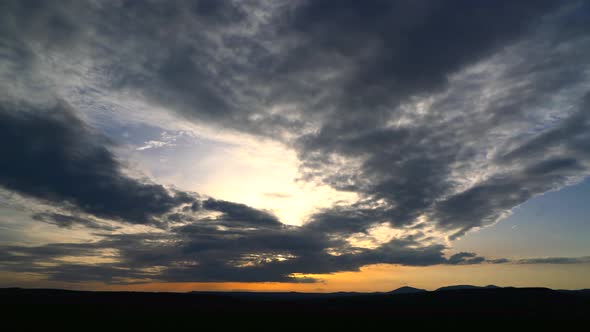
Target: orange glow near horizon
<point>371,278</point>
<point>384,277</point>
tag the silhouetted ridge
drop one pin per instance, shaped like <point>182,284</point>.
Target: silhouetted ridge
<point>471,302</point>
<point>458,287</point>
<point>407,290</point>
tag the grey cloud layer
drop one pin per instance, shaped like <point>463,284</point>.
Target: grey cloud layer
<point>438,114</point>
<point>200,251</point>
<point>69,221</point>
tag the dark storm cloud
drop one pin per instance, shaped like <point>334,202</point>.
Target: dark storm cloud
<point>52,155</point>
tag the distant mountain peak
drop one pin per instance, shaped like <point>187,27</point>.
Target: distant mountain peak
<point>455,287</point>
<point>407,290</point>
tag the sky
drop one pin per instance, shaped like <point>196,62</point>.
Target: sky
<point>308,145</point>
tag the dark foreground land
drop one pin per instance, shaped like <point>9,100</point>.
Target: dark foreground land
<point>457,305</point>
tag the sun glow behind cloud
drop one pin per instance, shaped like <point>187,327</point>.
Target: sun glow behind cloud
<point>236,167</point>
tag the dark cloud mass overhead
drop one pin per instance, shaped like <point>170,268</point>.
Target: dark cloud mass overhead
<point>441,116</point>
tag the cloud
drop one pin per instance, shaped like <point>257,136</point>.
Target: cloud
<point>465,258</point>
<point>57,158</point>
<point>389,45</point>
<point>205,253</point>
<point>555,260</point>
<point>152,145</point>
<point>235,212</point>
<point>438,115</point>
<point>550,160</point>
<point>354,89</point>
<point>68,221</point>
<point>198,249</point>
<point>436,150</point>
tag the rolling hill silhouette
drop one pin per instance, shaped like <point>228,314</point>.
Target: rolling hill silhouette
<point>457,287</point>
<point>406,303</point>
<point>407,290</point>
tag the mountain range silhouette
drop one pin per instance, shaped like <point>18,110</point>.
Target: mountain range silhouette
<point>463,302</point>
